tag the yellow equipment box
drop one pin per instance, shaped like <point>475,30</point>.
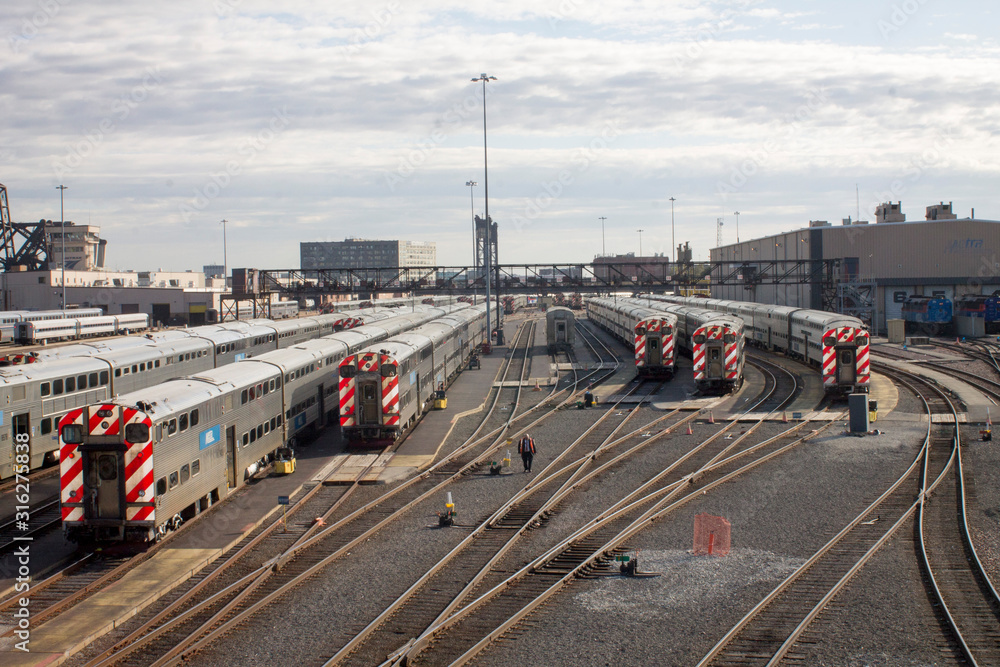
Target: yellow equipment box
<point>440,403</point>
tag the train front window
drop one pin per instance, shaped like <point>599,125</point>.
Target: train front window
<point>72,434</point>
<point>388,371</point>
<point>369,392</point>
<point>136,432</point>
<point>846,356</point>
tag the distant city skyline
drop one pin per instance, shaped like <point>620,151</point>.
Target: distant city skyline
<point>310,123</point>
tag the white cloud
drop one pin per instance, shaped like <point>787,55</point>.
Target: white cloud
<point>146,107</point>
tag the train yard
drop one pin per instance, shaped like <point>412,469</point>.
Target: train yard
<point>457,556</point>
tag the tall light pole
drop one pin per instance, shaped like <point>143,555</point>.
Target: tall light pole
<point>486,196</point>
<point>640,240</point>
<point>225,258</point>
<point>737,214</point>
<point>604,251</point>
<point>673,238</point>
<point>475,239</point>
<point>62,233</point>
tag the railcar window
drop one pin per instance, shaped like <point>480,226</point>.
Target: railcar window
<point>184,422</point>
<point>135,368</point>
<point>185,473</point>
<point>46,426</point>
<point>194,418</point>
<point>161,486</point>
<point>142,367</point>
<point>57,387</point>
<point>271,385</point>
<point>173,479</point>
<point>267,428</point>
<point>246,439</point>
<point>253,436</point>
<point>195,467</point>
<point>274,422</point>
<point>45,389</point>
<point>243,397</point>
<point>171,427</point>
<point>92,380</point>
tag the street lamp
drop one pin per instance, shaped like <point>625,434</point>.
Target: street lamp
<point>475,241</point>
<point>737,214</point>
<point>673,238</point>
<point>604,251</point>
<point>225,258</point>
<point>640,240</point>
<point>62,233</point>
<point>486,196</point>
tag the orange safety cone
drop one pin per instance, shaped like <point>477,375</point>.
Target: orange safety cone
<point>537,388</point>
<point>711,417</point>
<point>784,417</point>
<point>319,521</point>
<point>689,431</point>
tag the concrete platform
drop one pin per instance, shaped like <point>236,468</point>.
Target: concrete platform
<point>212,535</point>
<point>977,405</point>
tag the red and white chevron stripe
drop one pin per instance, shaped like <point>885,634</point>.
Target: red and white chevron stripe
<point>140,500</point>
<point>390,394</point>
<point>71,472</point>
<point>640,349</point>
<point>347,396</point>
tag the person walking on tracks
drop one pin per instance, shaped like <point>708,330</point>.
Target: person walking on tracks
<point>526,448</point>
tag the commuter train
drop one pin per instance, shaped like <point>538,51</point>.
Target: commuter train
<point>983,306</point>
<point>386,387</point>
<point>10,318</point>
<point>649,331</point>
<point>930,314</point>
<point>513,303</point>
<point>715,341</point>
<point>33,397</point>
<point>837,344</point>
<point>135,466</point>
<point>560,329</point>
<point>72,328</point>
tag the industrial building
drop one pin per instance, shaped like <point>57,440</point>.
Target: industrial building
<point>366,253</point>
<point>880,264</point>
<point>167,296</point>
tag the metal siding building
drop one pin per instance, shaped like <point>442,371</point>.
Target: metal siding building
<point>935,257</point>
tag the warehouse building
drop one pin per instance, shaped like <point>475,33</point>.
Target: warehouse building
<point>366,254</point>
<point>880,264</point>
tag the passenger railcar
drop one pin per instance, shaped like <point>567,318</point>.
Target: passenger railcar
<point>37,395</point>
<point>386,387</point>
<point>560,328</point>
<point>838,345</point>
<point>31,332</point>
<point>649,331</point>
<point>136,466</point>
<point>514,302</point>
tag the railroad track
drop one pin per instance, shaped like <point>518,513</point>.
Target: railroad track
<point>505,600</point>
<point>307,556</point>
<point>785,620</point>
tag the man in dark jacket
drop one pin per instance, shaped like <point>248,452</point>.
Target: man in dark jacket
<point>526,448</point>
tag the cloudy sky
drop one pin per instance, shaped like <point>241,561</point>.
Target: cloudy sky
<point>310,124</point>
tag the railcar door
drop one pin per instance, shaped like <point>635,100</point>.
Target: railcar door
<point>21,435</point>
<point>560,331</point>
<point>231,456</point>
<point>105,485</point>
<point>715,360</point>
<point>846,366</point>
<point>654,351</point>
<point>370,405</point>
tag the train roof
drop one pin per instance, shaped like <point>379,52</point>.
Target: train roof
<point>167,398</point>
